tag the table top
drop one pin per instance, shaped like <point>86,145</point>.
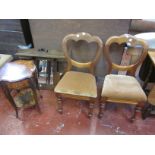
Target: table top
<point>4,58</point>
<point>149,37</point>
<point>12,72</point>
<point>152,56</point>
<point>41,54</point>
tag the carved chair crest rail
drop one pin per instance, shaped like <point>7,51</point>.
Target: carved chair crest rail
<point>75,84</point>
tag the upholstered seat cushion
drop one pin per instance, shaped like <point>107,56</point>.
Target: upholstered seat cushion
<point>77,83</point>
<point>122,87</point>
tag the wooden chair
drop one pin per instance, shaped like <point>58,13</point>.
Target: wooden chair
<point>124,89</point>
<point>75,84</point>
<point>18,85</point>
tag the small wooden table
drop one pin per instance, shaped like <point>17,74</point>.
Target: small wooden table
<point>17,77</point>
<point>53,58</point>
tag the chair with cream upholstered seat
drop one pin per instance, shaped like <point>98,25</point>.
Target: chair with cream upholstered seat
<point>123,89</point>
<point>77,84</point>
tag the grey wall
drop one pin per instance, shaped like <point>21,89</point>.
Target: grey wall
<point>11,35</point>
<point>48,33</point>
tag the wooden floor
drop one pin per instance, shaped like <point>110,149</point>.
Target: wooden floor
<point>73,121</point>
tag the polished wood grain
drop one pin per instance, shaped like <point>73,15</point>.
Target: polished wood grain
<point>90,65</point>
<point>133,41</point>
<point>131,68</point>
<point>12,72</point>
<point>14,76</point>
<point>27,63</point>
<point>89,39</point>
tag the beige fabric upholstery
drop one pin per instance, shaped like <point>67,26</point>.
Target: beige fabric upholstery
<point>77,83</point>
<point>4,58</point>
<point>123,87</point>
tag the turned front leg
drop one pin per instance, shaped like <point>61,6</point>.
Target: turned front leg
<point>133,115</point>
<point>59,104</point>
<point>91,107</point>
<point>101,109</point>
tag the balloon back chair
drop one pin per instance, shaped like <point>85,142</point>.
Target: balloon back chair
<point>77,84</point>
<point>123,89</point>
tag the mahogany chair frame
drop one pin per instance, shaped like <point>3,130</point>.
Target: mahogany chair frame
<point>90,65</point>
<point>131,69</point>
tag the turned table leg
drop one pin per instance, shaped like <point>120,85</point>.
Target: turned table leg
<point>59,104</point>
<point>91,107</point>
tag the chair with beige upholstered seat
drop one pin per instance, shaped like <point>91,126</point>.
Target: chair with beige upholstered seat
<point>77,84</point>
<point>123,89</point>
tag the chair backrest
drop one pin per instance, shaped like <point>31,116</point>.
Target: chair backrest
<point>131,41</point>
<point>82,36</point>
